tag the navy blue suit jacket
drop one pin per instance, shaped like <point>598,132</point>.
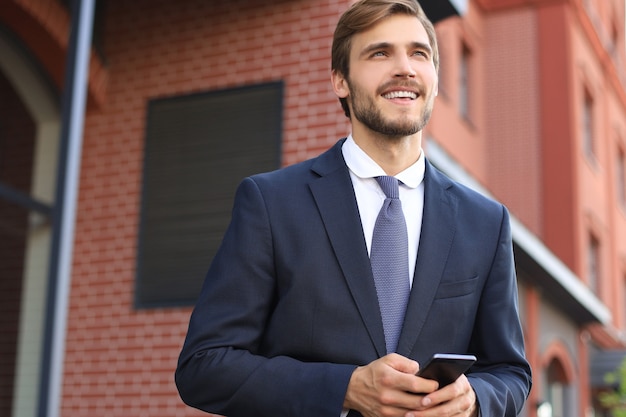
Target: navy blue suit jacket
<point>289,309</point>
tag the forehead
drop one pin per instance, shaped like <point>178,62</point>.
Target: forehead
<point>397,30</point>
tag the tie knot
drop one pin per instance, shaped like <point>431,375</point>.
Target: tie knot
<point>389,186</point>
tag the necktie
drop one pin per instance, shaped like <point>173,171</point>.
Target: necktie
<point>389,259</point>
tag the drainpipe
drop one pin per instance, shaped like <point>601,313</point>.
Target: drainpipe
<point>64,213</point>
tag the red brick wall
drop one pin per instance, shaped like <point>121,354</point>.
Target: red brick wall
<point>17,134</point>
<point>120,362</point>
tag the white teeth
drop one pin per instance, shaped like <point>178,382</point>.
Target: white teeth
<point>401,94</point>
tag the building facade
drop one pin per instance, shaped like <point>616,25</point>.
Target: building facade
<point>184,99</point>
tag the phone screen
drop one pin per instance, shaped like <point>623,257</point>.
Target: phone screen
<point>446,368</point>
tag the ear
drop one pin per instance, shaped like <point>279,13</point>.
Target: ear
<point>340,84</point>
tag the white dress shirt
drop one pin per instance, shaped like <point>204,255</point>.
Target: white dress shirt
<point>370,196</point>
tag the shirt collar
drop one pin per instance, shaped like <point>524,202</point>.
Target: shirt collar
<point>363,166</point>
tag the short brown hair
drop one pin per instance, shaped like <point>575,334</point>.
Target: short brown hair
<point>364,14</point>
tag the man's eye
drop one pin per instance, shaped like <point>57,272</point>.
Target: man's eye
<point>421,53</point>
<point>379,53</point>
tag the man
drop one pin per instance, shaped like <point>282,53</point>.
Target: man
<point>293,319</point>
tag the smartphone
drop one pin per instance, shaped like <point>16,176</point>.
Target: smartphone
<point>445,368</point>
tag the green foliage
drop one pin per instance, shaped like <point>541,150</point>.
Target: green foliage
<point>615,400</point>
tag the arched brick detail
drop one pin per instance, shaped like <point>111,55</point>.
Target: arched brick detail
<point>559,352</point>
<point>43,27</point>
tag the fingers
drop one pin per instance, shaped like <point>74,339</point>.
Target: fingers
<point>387,387</point>
<point>457,399</point>
<point>401,363</point>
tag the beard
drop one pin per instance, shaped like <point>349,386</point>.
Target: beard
<point>364,109</point>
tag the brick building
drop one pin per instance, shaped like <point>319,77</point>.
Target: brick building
<point>532,111</point>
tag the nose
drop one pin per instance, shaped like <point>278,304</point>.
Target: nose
<point>404,67</point>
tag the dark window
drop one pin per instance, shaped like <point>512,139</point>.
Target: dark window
<point>198,149</point>
<point>464,82</point>
<point>623,298</point>
<point>444,44</point>
<point>621,177</point>
<point>593,259</point>
<point>588,125</point>
<point>558,390</point>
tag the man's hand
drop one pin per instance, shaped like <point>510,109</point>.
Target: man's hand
<point>388,387</point>
<point>457,399</point>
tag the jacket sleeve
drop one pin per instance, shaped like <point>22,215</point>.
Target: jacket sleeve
<point>220,369</point>
<point>502,376</point>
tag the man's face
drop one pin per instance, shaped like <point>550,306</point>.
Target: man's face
<point>392,82</point>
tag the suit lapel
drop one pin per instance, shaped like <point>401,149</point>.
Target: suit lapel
<point>342,222</point>
<point>438,228</point>
<point>334,195</point>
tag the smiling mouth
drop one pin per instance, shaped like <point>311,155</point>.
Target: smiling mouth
<point>401,94</point>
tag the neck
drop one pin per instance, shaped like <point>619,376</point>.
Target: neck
<point>392,154</point>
